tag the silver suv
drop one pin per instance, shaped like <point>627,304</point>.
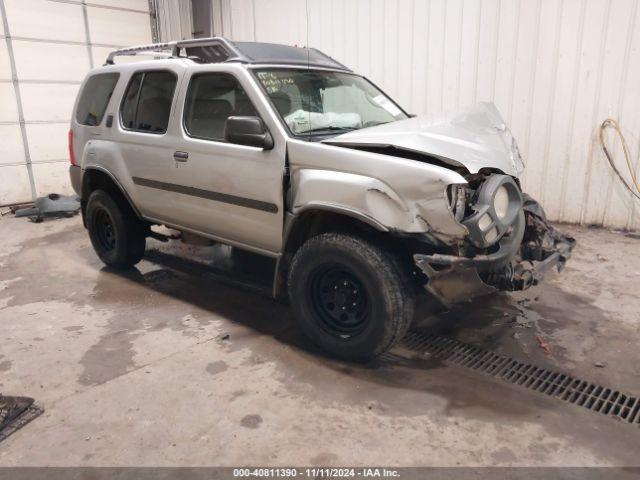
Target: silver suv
<point>284,152</point>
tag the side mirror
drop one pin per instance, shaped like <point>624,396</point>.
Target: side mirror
<point>249,131</point>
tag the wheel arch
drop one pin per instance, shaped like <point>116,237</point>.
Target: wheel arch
<point>95,178</point>
<point>314,219</point>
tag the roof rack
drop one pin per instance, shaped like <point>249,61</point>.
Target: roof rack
<point>174,47</point>
<point>157,47</point>
<point>219,49</point>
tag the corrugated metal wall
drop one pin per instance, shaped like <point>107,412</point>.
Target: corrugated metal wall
<point>173,19</point>
<point>46,48</point>
<point>555,69</point>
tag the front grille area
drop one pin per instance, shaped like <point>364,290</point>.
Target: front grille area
<point>599,399</point>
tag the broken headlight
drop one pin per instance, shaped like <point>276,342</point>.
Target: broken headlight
<point>497,206</point>
<point>457,196</point>
<point>501,202</point>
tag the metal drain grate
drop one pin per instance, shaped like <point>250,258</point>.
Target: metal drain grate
<point>15,413</point>
<point>606,401</point>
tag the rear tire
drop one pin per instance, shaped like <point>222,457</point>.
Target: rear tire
<point>117,235</point>
<point>351,297</point>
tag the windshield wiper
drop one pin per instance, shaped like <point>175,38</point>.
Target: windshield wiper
<point>330,128</point>
<point>374,124</point>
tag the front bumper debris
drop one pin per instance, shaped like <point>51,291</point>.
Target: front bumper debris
<point>532,248</point>
<point>53,205</point>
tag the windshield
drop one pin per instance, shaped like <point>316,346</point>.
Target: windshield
<point>324,102</point>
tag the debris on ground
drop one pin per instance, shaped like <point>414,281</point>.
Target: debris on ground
<point>51,206</point>
<point>600,364</point>
<point>225,337</point>
<point>522,322</point>
<point>543,345</point>
<point>15,413</point>
<point>15,207</point>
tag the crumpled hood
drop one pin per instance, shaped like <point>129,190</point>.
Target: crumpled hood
<point>474,137</point>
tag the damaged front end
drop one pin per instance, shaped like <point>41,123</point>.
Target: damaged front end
<point>527,246</point>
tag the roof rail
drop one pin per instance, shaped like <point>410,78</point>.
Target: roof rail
<point>157,47</point>
<point>219,49</point>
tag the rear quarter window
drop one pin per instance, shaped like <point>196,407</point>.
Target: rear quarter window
<point>95,97</point>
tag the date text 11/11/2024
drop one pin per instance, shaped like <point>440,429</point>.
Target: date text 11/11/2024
<point>317,472</point>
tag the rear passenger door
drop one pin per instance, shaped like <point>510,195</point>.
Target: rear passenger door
<point>144,140</point>
<point>233,192</point>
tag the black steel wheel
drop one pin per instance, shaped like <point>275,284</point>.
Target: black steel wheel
<point>340,299</point>
<point>104,228</point>
<point>351,297</point>
<point>117,235</point>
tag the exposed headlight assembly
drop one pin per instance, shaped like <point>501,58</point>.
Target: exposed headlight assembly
<point>457,195</point>
<point>498,205</point>
<point>501,202</point>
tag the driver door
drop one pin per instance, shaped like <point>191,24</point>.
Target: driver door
<point>232,192</point>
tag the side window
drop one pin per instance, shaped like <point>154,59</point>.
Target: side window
<point>95,98</point>
<point>147,102</point>
<point>211,99</point>
<point>130,102</point>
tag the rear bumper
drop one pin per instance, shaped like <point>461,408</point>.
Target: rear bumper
<point>533,248</point>
<point>75,174</point>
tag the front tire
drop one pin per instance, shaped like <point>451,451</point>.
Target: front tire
<point>117,235</point>
<point>351,297</point>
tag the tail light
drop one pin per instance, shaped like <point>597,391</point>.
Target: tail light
<point>72,155</point>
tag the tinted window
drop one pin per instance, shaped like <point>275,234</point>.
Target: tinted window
<point>147,102</point>
<point>211,99</point>
<point>130,102</point>
<point>95,98</point>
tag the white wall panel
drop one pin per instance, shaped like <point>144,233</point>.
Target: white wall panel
<point>118,27</point>
<point>9,108</point>
<point>11,149</point>
<point>5,67</point>
<point>52,52</point>
<point>50,62</point>
<point>243,12</point>
<point>140,5</point>
<point>629,103</point>
<point>48,103</point>
<point>45,19</point>
<point>555,69</point>
<point>48,141</point>
<point>174,19</point>
<point>14,180</point>
<point>52,178</point>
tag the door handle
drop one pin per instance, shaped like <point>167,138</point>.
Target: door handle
<point>180,156</point>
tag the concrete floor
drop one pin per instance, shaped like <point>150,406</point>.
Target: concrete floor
<point>169,365</point>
